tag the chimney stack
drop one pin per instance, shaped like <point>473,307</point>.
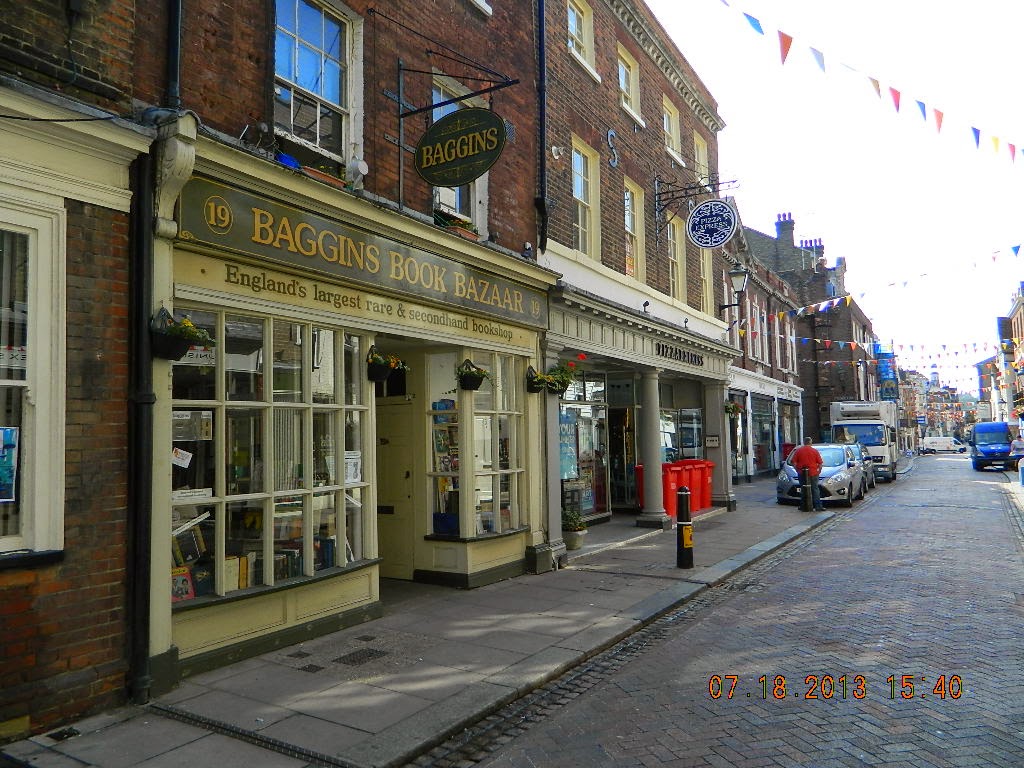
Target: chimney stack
<point>784,224</point>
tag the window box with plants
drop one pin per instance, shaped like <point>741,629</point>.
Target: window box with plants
<point>456,224</point>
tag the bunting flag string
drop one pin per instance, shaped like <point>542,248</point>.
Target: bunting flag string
<point>785,46</point>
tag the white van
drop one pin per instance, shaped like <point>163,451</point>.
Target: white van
<point>936,444</point>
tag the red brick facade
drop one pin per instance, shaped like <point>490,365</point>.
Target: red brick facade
<point>578,104</point>
<point>64,647</point>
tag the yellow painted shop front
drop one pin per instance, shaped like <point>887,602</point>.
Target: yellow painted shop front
<point>298,475</point>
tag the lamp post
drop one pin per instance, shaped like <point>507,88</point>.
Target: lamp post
<point>738,279</point>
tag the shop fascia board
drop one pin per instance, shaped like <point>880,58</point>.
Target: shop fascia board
<point>219,160</point>
<point>759,384</point>
<point>595,305</point>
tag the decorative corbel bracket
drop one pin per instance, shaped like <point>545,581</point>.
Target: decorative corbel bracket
<point>176,158</point>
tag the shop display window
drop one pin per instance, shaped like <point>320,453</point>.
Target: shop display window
<point>582,458</point>
<point>474,444</point>
<point>277,465</point>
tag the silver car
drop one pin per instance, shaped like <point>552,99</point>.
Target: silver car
<point>842,477</point>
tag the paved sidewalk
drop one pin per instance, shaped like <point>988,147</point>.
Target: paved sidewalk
<point>382,692</point>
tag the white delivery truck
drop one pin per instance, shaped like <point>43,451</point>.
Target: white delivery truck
<point>874,425</point>
<point>941,443</point>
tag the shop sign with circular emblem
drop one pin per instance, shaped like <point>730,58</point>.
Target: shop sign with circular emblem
<point>711,224</point>
<point>460,147</point>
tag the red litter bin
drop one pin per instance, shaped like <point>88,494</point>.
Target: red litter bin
<point>685,474</point>
<point>669,486</point>
<point>709,468</point>
<point>697,486</point>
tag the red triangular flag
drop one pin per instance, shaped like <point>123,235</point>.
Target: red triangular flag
<point>828,343</point>
<point>938,120</point>
<point>1013,151</point>
<point>785,41</point>
<point>895,98</point>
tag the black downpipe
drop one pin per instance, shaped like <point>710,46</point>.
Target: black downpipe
<point>174,55</point>
<point>140,427</point>
<point>541,201</point>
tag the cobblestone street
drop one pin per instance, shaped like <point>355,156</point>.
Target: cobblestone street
<point>889,637</point>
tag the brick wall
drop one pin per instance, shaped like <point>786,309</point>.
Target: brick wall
<point>95,66</point>
<point>228,71</point>
<point>578,104</point>
<point>64,639</point>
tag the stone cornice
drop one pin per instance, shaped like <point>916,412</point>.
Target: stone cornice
<point>653,46</point>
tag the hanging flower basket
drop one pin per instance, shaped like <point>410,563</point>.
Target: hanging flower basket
<point>171,339</point>
<point>380,365</point>
<point>378,371</point>
<point>535,382</point>
<point>168,347</point>
<point>733,408</point>
<point>471,377</point>
<point>558,378</point>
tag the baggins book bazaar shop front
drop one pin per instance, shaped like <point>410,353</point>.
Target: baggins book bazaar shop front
<point>338,428</point>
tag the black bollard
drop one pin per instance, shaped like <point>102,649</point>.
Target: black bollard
<point>684,529</point>
<point>806,500</point>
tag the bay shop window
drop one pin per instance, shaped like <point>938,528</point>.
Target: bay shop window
<point>476,473</point>
<point>268,435</point>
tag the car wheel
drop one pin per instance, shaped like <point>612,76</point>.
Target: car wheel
<point>848,500</point>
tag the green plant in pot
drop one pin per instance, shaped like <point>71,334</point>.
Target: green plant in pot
<point>573,529</point>
<point>558,378</point>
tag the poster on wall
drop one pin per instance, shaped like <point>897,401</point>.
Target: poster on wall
<point>8,464</point>
<point>568,458</point>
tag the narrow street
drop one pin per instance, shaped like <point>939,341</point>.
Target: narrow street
<point>888,637</point>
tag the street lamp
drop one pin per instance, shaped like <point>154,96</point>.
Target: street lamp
<point>738,277</point>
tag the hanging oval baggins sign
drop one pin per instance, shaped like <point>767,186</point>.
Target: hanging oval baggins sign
<point>460,147</point>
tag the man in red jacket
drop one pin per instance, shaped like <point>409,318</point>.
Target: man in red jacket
<point>807,457</point>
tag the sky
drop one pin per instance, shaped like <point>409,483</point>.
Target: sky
<point>927,220</point>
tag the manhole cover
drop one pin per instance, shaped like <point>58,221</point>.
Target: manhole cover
<point>361,656</point>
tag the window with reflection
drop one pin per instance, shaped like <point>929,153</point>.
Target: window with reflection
<point>475,445</point>
<point>268,442</point>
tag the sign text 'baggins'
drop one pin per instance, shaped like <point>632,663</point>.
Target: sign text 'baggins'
<point>460,147</point>
<point>242,223</point>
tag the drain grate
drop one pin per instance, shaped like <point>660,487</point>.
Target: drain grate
<point>310,668</point>
<point>359,657</point>
<point>299,655</point>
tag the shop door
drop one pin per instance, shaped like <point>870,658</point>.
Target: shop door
<point>622,458</point>
<point>395,523</point>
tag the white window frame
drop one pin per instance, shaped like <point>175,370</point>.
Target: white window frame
<point>707,285</point>
<point>477,191</point>
<point>580,38</point>
<point>701,168</point>
<point>670,125</point>
<point>41,481</point>
<point>633,198</point>
<point>351,133</point>
<point>589,209</point>
<point>676,244</point>
<point>628,78</point>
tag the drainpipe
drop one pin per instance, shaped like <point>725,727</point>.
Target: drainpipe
<point>541,201</point>
<point>140,427</point>
<point>174,55</point>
